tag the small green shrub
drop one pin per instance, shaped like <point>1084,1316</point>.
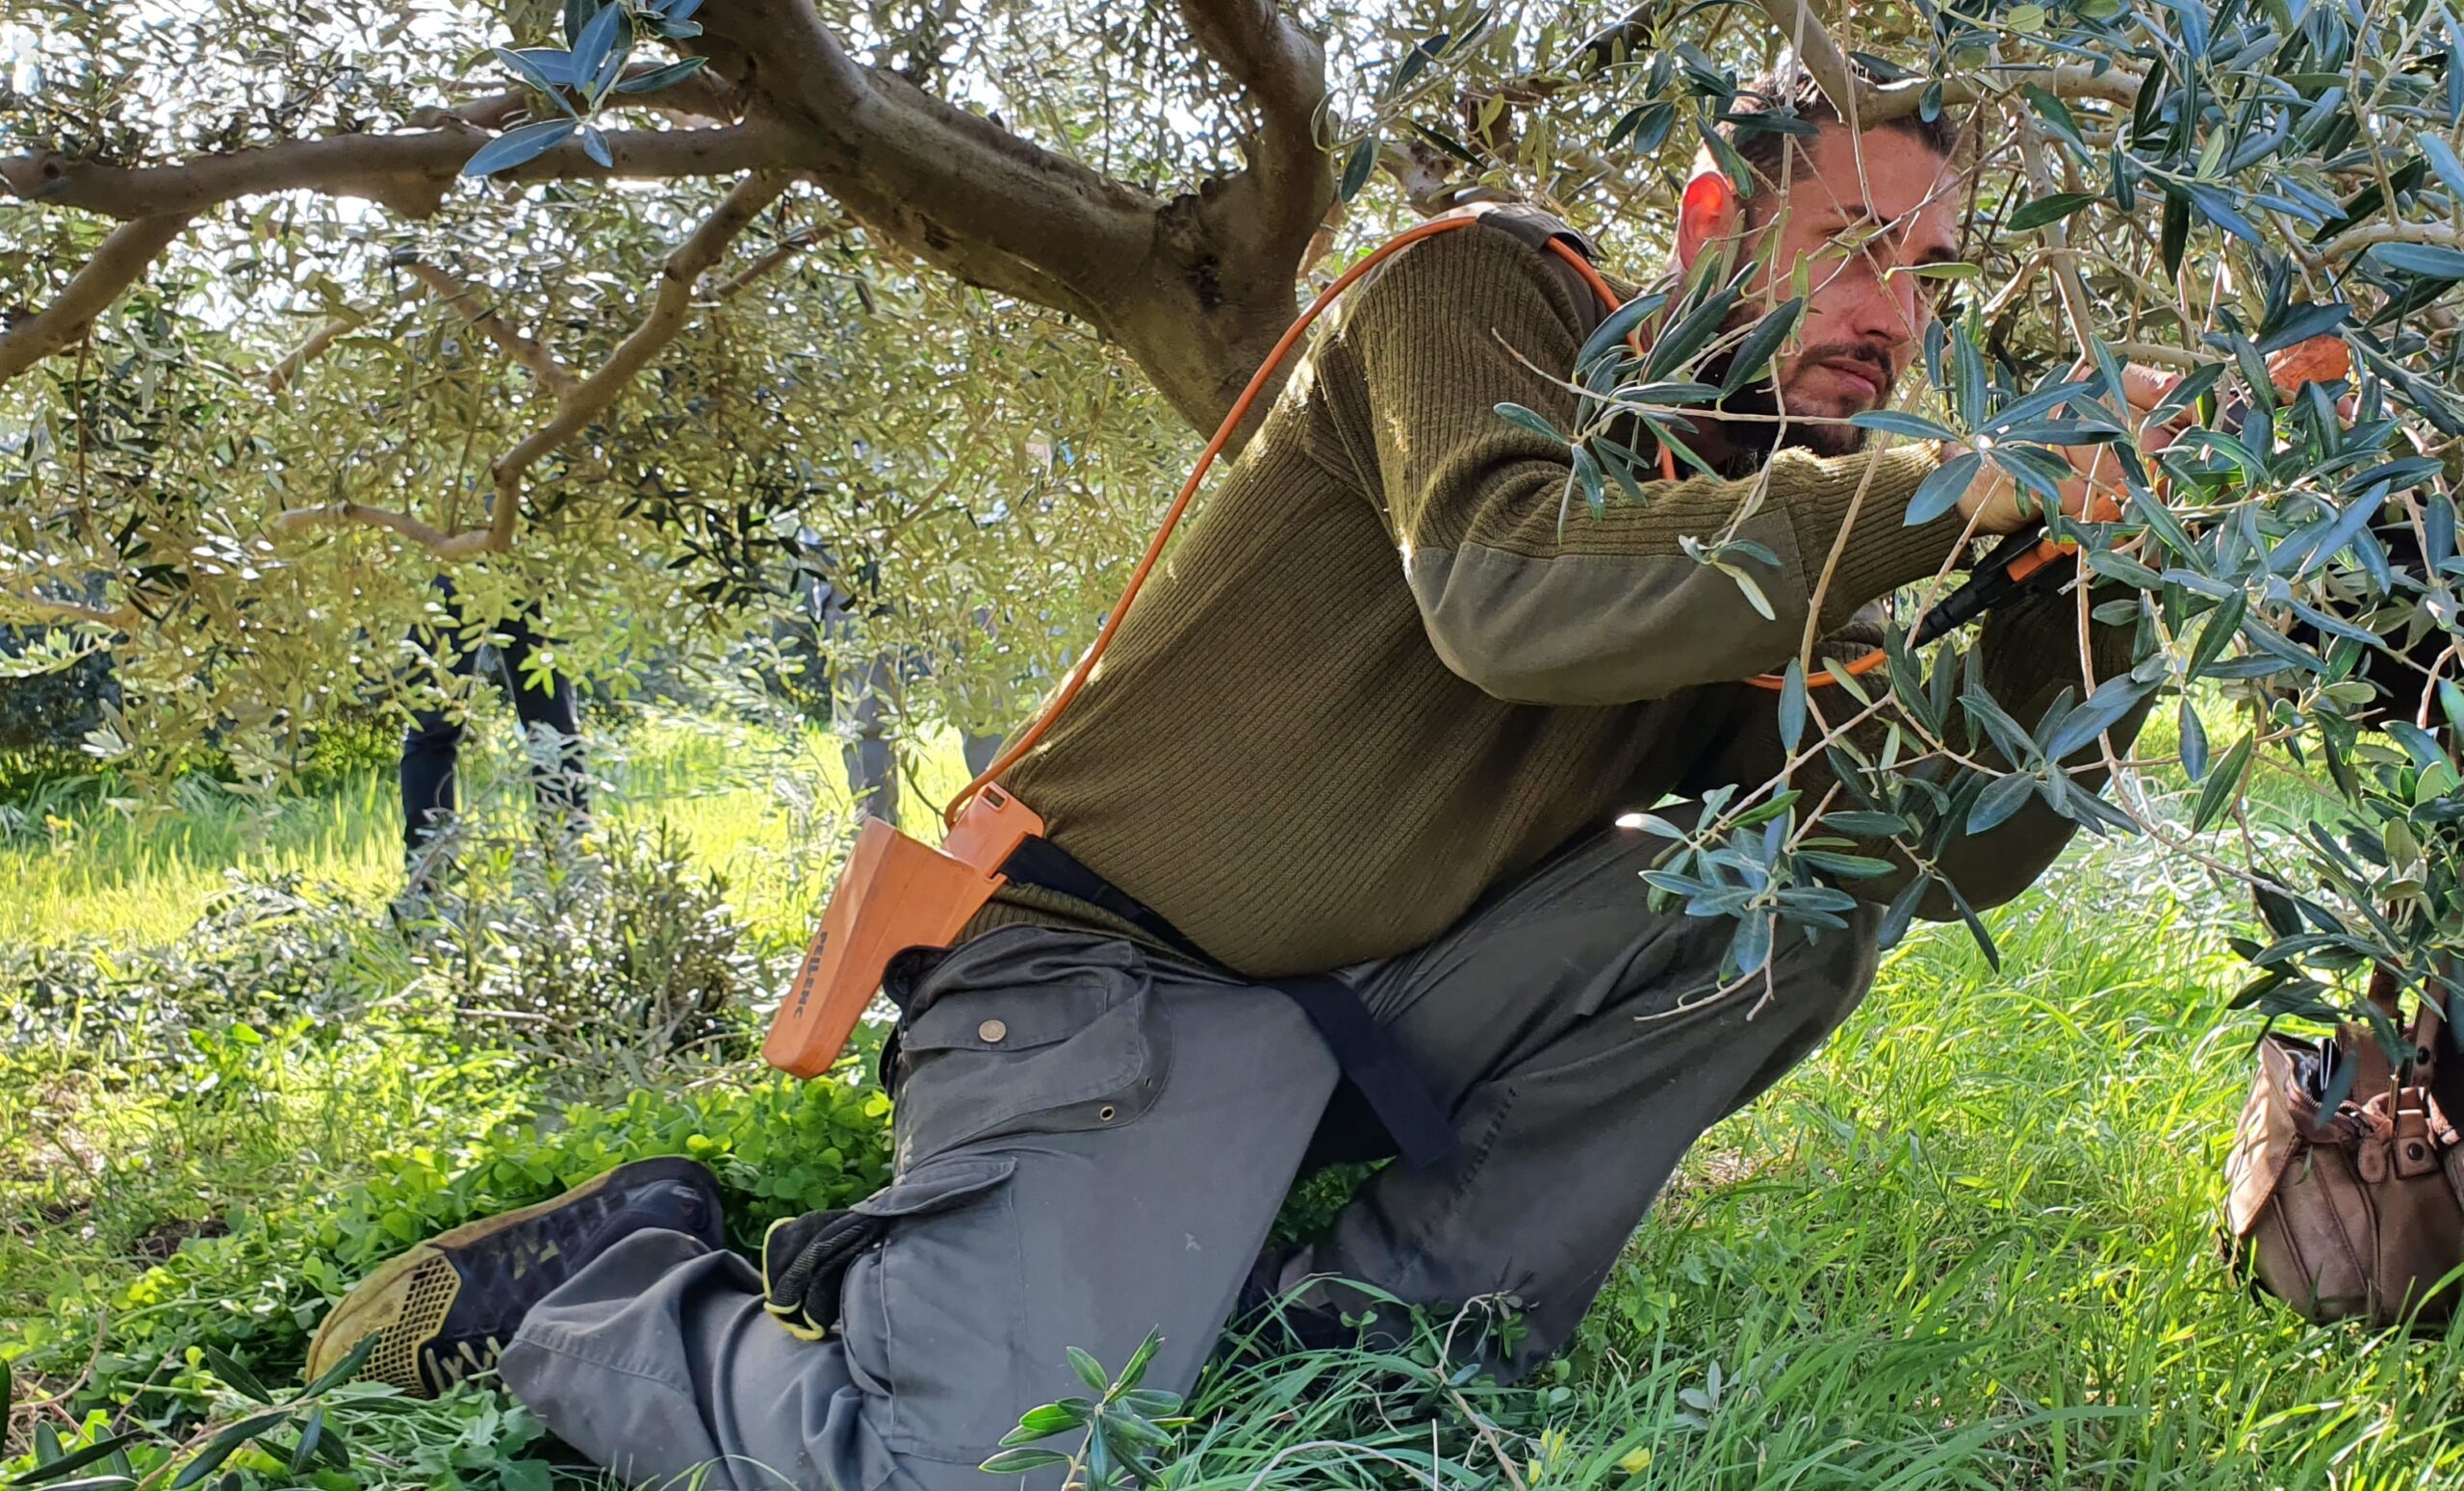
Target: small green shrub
<point>292,1032</point>
<point>1311,1207</point>
<point>263,946</point>
<point>346,739</point>
<point>613,960</point>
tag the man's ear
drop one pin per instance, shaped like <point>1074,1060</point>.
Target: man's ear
<point>1709,214</point>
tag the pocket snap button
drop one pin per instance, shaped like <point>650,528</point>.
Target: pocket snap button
<point>991,1032</point>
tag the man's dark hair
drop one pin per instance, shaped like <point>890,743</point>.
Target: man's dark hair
<point>1787,90</point>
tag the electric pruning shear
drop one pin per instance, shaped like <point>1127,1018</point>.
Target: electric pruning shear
<point>2027,560</point>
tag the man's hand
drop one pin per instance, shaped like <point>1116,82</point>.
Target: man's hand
<point>1993,501</point>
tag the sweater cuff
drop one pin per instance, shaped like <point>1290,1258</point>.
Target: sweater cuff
<point>1882,552</point>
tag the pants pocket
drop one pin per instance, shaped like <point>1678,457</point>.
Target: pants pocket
<point>938,1188</point>
<point>933,1314</point>
<point>1078,1047</point>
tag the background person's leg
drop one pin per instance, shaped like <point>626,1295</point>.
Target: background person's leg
<point>1560,1023</point>
<point>1089,1147</point>
<point>802,676</point>
<point>431,747</point>
<point>864,706</point>
<point>980,751</point>
<point>551,726</point>
<point>432,744</point>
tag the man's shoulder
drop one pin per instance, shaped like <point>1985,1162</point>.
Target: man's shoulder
<point>1501,253</point>
<point>1534,227</point>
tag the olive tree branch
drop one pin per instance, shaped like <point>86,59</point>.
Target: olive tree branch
<point>123,256</point>
<point>1022,218</point>
<point>1196,288</point>
<point>699,97</point>
<point>467,303</point>
<point>541,363</point>
<point>2058,252</point>
<point>1872,104</point>
<point>406,172</point>
<point>779,253</point>
<point>2352,241</point>
<point>584,401</point>
<point>433,539</point>
<point>1890,101</point>
<point>279,376</point>
<point>1819,55</point>
<point>1284,70</point>
<point>38,610</point>
<point>1831,568</point>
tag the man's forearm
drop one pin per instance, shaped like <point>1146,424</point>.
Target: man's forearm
<point>1523,590</point>
<point>1610,608</point>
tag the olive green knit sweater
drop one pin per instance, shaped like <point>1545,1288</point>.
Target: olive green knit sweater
<point>1388,667</point>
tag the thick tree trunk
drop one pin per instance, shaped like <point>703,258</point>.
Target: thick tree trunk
<point>1196,288</point>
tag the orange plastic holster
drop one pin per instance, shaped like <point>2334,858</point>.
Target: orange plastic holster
<point>895,893</point>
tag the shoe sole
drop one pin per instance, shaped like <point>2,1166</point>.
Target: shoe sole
<point>354,1319</point>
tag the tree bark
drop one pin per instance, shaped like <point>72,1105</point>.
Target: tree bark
<point>115,266</point>
<point>406,173</point>
<point>1196,288</point>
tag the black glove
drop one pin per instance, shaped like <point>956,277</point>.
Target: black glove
<point>803,1261</point>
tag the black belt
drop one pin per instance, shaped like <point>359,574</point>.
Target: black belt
<point>1365,1052</point>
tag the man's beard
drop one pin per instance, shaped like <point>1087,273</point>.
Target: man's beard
<point>1749,420</point>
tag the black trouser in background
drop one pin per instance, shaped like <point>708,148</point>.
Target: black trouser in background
<point>435,736</point>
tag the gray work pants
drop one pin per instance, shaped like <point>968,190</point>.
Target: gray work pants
<point>1093,1143</point>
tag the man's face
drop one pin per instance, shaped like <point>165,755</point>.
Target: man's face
<point>1851,217</point>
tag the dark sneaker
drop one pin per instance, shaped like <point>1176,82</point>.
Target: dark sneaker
<point>448,1307</point>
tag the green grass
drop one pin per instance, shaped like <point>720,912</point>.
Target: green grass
<point>739,792</point>
<point>1970,1243</point>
